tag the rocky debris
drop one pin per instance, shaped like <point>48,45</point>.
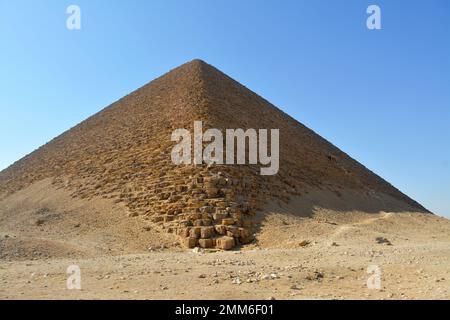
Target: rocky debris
<point>236,280</point>
<point>270,276</point>
<point>382,240</point>
<point>304,243</point>
<point>265,277</point>
<point>214,218</point>
<point>316,275</point>
<point>42,211</point>
<point>233,262</point>
<point>157,248</point>
<point>197,250</point>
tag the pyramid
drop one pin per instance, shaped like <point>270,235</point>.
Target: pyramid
<point>123,153</point>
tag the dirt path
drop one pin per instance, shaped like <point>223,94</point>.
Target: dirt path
<point>347,227</point>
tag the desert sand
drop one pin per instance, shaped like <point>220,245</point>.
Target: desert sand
<point>296,255</point>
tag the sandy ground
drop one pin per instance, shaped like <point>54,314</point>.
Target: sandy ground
<point>323,255</point>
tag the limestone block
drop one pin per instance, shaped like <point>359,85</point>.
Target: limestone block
<point>183,232</point>
<point>243,232</point>
<point>232,231</point>
<point>225,243</point>
<point>168,218</point>
<point>206,209</point>
<point>220,229</point>
<point>206,222</point>
<point>205,243</point>
<point>189,242</point>
<point>157,219</point>
<point>228,221</point>
<point>195,232</point>
<point>220,215</point>
<point>207,232</point>
<point>212,192</point>
<point>198,222</point>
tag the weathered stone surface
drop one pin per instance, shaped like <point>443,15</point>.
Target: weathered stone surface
<point>244,232</point>
<point>207,232</point>
<point>225,243</point>
<point>205,243</point>
<point>206,222</point>
<point>212,192</point>
<point>195,232</point>
<point>220,229</point>
<point>228,221</point>
<point>168,218</point>
<point>246,239</point>
<point>183,232</point>
<point>233,231</point>
<point>157,219</point>
<point>206,209</point>
<point>220,215</point>
<point>189,242</point>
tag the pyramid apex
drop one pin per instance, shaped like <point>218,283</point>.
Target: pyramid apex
<point>197,61</point>
<point>195,64</point>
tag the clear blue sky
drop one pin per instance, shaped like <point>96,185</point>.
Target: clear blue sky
<point>382,96</point>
